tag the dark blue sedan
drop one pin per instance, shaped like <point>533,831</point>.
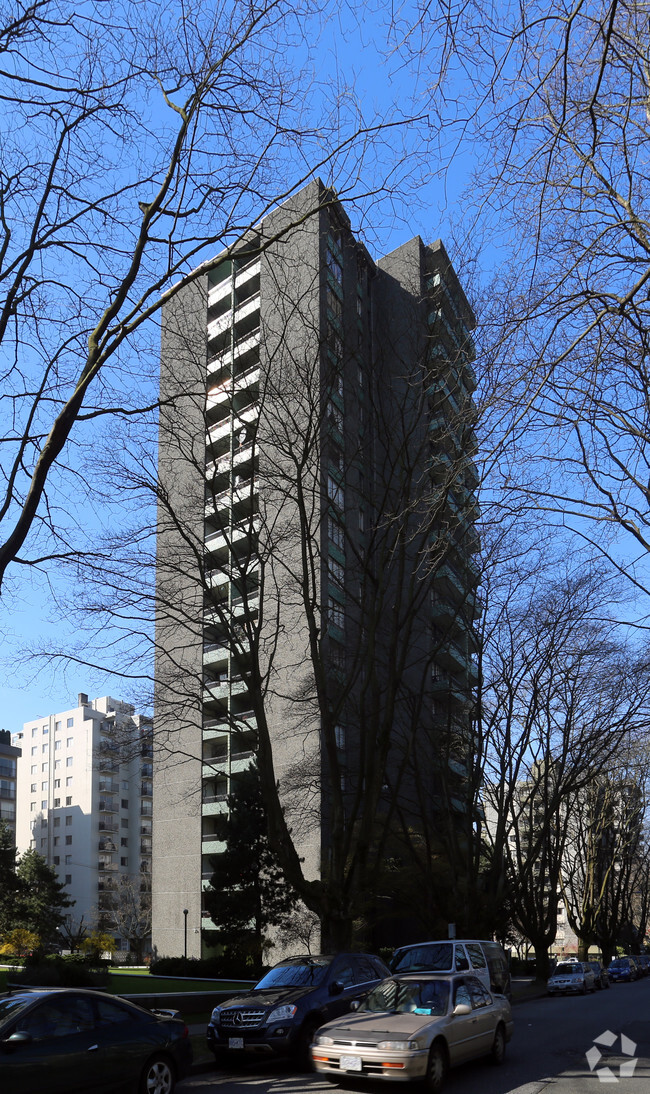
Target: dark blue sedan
<point>65,1041</point>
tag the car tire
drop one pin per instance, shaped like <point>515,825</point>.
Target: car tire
<point>157,1076</point>
<point>498,1051</point>
<point>437,1067</point>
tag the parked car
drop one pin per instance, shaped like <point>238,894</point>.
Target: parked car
<point>65,1040</point>
<point>643,963</point>
<point>623,968</point>
<point>280,1015</point>
<point>571,976</point>
<point>600,974</point>
<point>486,960</point>
<point>415,1027</point>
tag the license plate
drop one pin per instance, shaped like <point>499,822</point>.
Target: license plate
<point>350,1063</point>
<point>235,1042</point>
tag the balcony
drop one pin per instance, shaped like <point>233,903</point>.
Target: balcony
<point>106,845</point>
<point>107,805</point>
<point>108,786</point>
<point>106,825</point>
<point>146,809</point>
<point>146,790</point>
<point>111,867</point>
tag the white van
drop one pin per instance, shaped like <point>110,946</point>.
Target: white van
<point>486,960</point>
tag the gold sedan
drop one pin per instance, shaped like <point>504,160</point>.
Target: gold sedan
<point>413,1028</point>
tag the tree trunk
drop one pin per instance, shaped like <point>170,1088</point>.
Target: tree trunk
<point>542,961</point>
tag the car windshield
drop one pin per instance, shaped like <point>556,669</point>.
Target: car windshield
<point>413,996</point>
<point>618,964</point>
<point>567,969</point>
<point>437,956</point>
<point>295,975</point>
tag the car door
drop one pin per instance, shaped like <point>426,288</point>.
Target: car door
<point>60,1056</point>
<point>483,1013</point>
<point>461,1029</point>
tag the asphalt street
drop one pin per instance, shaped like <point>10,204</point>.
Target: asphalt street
<point>548,1052</point>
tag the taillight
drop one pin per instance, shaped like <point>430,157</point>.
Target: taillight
<point>186,1032</point>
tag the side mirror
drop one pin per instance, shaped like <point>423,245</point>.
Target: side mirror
<point>462,1008</point>
<point>336,987</point>
<point>20,1037</point>
<point>355,1004</point>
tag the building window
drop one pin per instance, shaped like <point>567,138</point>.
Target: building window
<point>34,731</point>
<point>57,745</point>
<point>34,749</point>
<point>44,805</point>
<point>335,533</point>
<point>68,821</point>
<point>57,765</point>
<point>56,860</point>
<point>33,788</point>
<point>339,736</point>
<point>57,822</point>
<point>57,802</point>
<point>68,860</point>
<point>33,769</point>
<point>124,842</point>
<point>68,762</point>
<point>70,722</point>
<point>335,572</point>
<point>44,786</point>
<point>69,742</point>
<point>335,268</point>
<point>125,803</point>
<point>68,879</point>
<point>335,416</point>
<point>337,656</point>
<point>68,780</point>
<point>68,840</point>
<point>334,305</point>
<point>124,822</point>
<point>44,747</point>
<point>45,730</point>
<point>44,843</point>
<point>32,806</point>
<point>57,784</point>
<point>124,862</point>
<point>68,801</point>
<point>335,613</point>
<point>335,492</point>
<point>57,725</point>
<point>56,841</point>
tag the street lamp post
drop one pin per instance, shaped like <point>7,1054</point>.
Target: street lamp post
<point>185,915</point>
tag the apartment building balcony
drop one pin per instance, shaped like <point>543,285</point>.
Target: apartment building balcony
<point>108,786</point>
<point>222,429</point>
<point>146,790</point>
<point>211,844</point>
<point>107,825</point>
<point>230,461</point>
<point>106,845</point>
<point>146,809</point>
<point>145,847</point>
<point>447,685</point>
<point>106,885</point>
<point>145,829</point>
<point>107,867</point>
<point>108,805</point>
<point>232,538</point>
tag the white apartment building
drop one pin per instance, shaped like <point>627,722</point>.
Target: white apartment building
<point>84,799</point>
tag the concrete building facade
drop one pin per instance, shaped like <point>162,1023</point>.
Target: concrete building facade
<point>84,803</point>
<point>9,756</point>
<point>315,543</point>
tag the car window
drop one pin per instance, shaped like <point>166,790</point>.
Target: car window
<point>437,957</point>
<point>58,1019</point>
<point>462,964</point>
<point>111,1014</point>
<point>476,955</point>
<point>480,997</point>
<point>381,998</point>
<point>461,994</point>
<point>344,973</point>
<point>363,970</point>
<point>409,997</point>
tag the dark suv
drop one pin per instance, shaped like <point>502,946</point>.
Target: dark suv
<point>281,1014</point>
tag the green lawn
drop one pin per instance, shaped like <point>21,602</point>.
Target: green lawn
<point>130,982</point>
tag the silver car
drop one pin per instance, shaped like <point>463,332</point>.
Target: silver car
<point>415,1027</point>
<point>571,977</point>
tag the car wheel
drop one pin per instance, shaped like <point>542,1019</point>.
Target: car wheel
<point>157,1076</point>
<point>498,1052</point>
<point>437,1067</point>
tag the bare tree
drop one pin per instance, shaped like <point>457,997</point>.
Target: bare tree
<point>561,696</point>
<point>135,137</point>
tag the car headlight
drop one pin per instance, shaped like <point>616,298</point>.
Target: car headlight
<point>398,1046</point>
<point>323,1039</point>
<point>283,1014</point>
<point>216,1015</point>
